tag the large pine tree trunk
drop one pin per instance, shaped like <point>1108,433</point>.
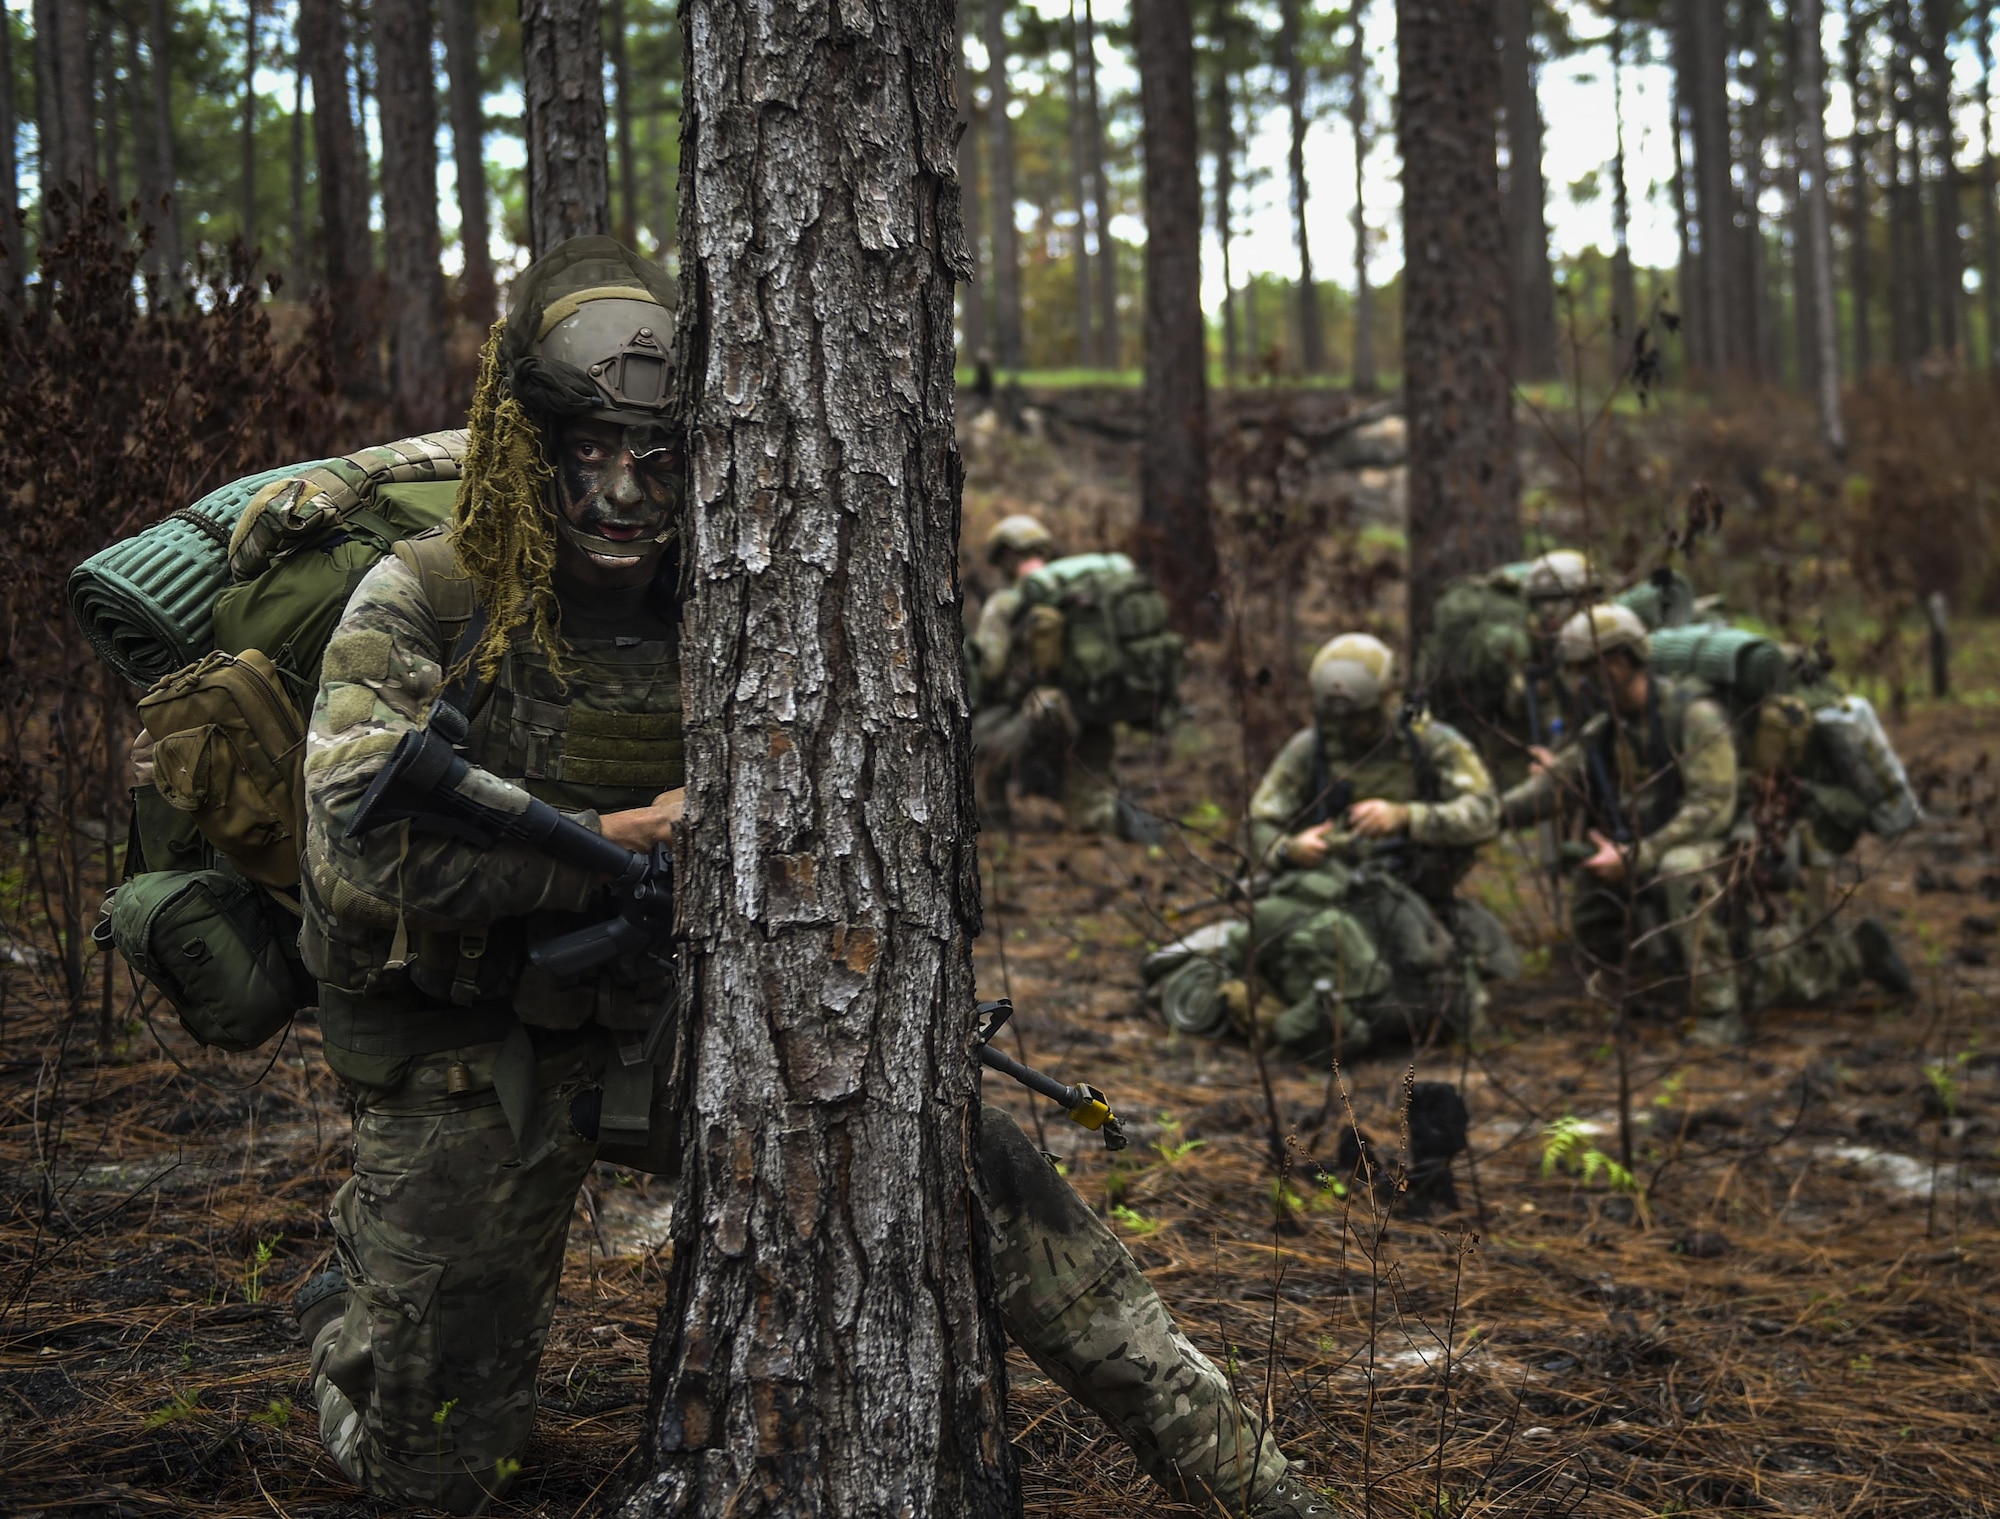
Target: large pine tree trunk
<point>1110,347</point>
<point>973,292</point>
<point>1176,536</point>
<point>166,181</point>
<point>343,194</point>
<point>468,149</point>
<point>1816,233</point>
<point>1533,282</point>
<point>1464,480</point>
<point>1006,237</point>
<point>829,1345</point>
<point>409,213</point>
<point>1312,335</point>
<point>1365,379</point>
<point>562,56</point>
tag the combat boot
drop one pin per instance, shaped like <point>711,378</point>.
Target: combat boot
<point>1879,961</point>
<point>319,1303</point>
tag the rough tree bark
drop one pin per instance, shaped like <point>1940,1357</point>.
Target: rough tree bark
<point>1176,536</point>
<point>411,244</point>
<point>1365,379</point>
<point>1006,237</point>
<point>468,149</point>
<point>1086,343</point>
<point>562,56</point>
<point>973,293</point>
<point>1312,333</point>
<point>1532,279</point>
<point>1817,230</point>
<point>166,181</point>
<point>628,167</point>
<point>343,194</point>
<point>1464,481</point>
<point>1110,347</point>
<point>829,1344</point>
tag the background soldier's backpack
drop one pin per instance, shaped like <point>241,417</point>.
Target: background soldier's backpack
<point>1477,642</point>
<point>1121,663</point>
<point>205,913</point>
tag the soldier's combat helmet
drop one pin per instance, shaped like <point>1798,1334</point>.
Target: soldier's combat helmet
<point>1560,575</point>
<point>1020,535</point>
<point>1600,630</point>
<point>588,333</point>
<point>1352,672</point>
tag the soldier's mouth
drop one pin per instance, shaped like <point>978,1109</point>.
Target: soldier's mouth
<point>619,532</point>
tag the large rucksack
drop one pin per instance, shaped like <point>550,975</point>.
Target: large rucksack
<point>1121,663</point>
<point>206,912</point>
<point>1478,641</point>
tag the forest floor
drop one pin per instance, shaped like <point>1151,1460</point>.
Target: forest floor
<point>1794,1309</point>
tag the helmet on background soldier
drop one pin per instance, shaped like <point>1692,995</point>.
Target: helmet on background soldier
<point>1020,535</point>
<point>1603,629</point>
<point>1353,671</point>
<point>1560,575</point>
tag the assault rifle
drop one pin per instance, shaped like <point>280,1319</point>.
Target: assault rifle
<point>429,785</point>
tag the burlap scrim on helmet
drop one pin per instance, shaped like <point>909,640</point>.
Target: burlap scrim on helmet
<point>506,542</point>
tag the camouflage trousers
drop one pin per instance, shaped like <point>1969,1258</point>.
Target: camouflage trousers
<point>1671,936</point>
<point>1040,744</point>
<point>426,1386</point>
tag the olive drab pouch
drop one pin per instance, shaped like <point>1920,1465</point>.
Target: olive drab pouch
<point>227,750</point>
<point>218,948</point>
<point>1121,663</point>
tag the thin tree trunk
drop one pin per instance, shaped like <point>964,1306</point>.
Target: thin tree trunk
<point>468,149</point>
<point>829,1347</point>
<point>1753,135</point>
<point>1860,275</point>
<point>972,291</point>
<point>657,192</point>
<point>247,172</point>
<point>1715,197</point>
<point>1687,220</point>
<point>1804,358</point>
<point>12,276</point>
<point>114,136</point>
<point>1086,343</point>
<point>49,157</point>
<point>562,52</point>
<point>1365,378</point>
<point>296,234</point>
<point>75,102</point>
<point>408,103</point>
<point>1312,336</point>
<point>1111,354</point>
<point>1909,271</point>
<point>1624,297</point>
<point>343,195</point>
<point>1823,318</point>
<point>1222,108</point>
<point>1533,282</point>
<point>1006,239</point>
<point>628,169</point>
<point>1946,197</point>
<point>1176,536</point>
<point>1989,226</point>
<point>361,27</point>
<point>166,178</point>
<point>1464,482</point>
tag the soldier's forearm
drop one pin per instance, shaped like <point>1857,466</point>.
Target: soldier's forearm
<point>1459,823</point>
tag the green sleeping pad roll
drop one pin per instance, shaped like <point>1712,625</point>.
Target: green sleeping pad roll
<point>147,604</point>
<point>1747,665</point>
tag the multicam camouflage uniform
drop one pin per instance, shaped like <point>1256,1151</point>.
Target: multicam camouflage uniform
<point>1025,721</point>
<point>1372,945</point>
<point>1668,776</point>
<point>464,1067</point>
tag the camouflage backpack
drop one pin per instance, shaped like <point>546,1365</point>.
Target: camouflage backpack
<point>1121,663</point>
<point>1477,643</point>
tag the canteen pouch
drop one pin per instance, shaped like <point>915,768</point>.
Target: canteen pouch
<point>214,945</point>
<point>228,750</point>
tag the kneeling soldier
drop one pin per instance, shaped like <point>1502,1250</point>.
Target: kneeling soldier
<point>547,612</point>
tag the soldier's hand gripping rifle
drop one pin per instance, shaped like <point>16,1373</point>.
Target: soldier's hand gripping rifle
<point>428,784</point>
<point>1085,1105</point>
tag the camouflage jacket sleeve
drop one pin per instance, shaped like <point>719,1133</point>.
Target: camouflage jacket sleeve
<point>994,637</point>
<point>1284,793</point>
<point>382,669</point>
<point>1467,811</point>
<point>1534,799</point>
<point>1708,786</point>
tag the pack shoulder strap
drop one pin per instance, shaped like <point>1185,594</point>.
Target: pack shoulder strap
<point>432,558</point>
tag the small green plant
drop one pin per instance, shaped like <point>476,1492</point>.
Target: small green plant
<point>1670,1090</point>
<point>1135,1222</point>
<point>253,1273</point>
<point>1170,1147</point>
<point>277,1414</point>
<point>1861,1368</point>
<point>185,1404</point>
<point>1566,1147</point>
<point>444,1412</point>
<point>505,1470</point>
<point>1944,1083</point>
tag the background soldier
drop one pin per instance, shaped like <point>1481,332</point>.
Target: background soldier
<point>548,614</point>
<point>1368,819</point>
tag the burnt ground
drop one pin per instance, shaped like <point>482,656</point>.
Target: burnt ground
<point>1792,1308</point>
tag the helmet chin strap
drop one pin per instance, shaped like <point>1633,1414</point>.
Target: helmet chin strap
<point>629,551</point>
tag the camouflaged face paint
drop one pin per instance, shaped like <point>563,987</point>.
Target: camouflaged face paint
<point>618,492</point>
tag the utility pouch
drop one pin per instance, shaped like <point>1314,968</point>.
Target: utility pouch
<point>216,946</point>
<point>228,746</point>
